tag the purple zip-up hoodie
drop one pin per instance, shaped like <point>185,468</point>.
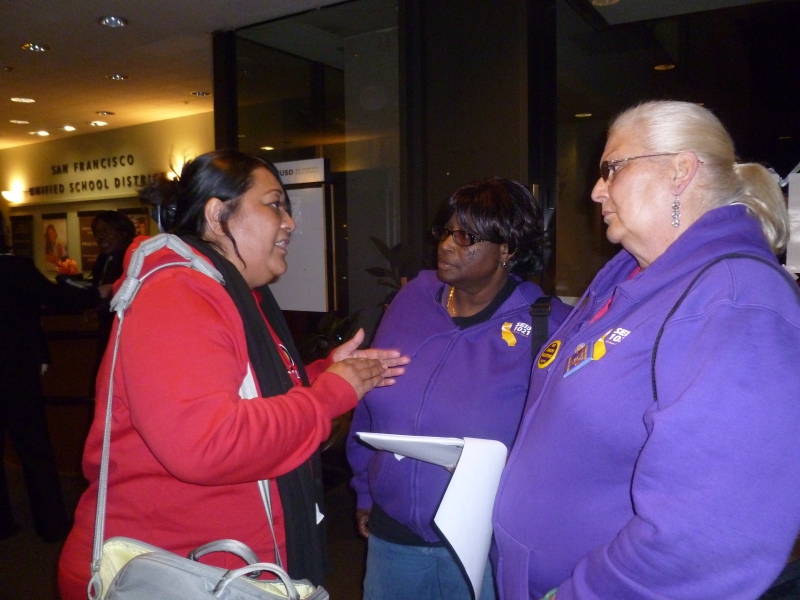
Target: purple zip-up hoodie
<point>610,495</point>
<point>461,382</point>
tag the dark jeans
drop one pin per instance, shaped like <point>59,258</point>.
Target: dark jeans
<point>22,415</point>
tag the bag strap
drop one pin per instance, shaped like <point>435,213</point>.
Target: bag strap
<point>120,303</point>
<point>770,264</point>
<point>540,322</point>
<point>230,576</point>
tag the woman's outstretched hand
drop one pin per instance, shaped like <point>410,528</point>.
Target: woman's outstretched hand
<point>391,360</point>
<point>362,373</point>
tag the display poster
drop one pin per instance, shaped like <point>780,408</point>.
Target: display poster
<point>140,218</point>
<point>89,248</point>
<point>54,230</point>
<point>22,236</point>
<point>793,248</point>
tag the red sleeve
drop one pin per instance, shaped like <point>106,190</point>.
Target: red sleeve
<point>316,368</point>
<point>183,357</point>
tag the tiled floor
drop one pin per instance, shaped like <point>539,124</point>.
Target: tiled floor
<point>28,565</point>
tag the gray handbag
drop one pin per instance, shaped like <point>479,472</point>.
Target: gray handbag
<point>127,569</point>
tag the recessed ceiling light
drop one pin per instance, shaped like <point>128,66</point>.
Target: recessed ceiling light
<point>784,137</point>
<point>8,69</point>
<point>42,133</point>
<point>267,148</point>
<point>36,47</point>
<point>68,128</point>
<point>19,122</point>
<point>23,100</point>
<point>583,115</point>
<point>664,67</point>
<point>604,2</point>
<point>241,135</point>
<point>201,94</point>
<point>103,112</point>
<point>117,76</point>
<point>113,21</point>
<point>98,123</point>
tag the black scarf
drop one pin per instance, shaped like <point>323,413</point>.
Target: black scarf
<point>300,489</point>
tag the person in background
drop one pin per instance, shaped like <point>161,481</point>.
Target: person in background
<point>467,326</point>
<point>669,473</point>
<point>23,359</point>
<point>212,396</point>
<point>113,232</point>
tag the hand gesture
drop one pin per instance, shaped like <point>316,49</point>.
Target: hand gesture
<point>362,373</point>
<point>391,360</point>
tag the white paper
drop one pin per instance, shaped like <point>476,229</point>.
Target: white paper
<point>465,514</point>
<point>439,451</point>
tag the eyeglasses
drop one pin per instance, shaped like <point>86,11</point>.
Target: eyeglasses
<point>461,237</point>
<point>610,167</point>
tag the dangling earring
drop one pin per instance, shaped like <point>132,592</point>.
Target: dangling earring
<point>502,264</point>
<point>676,212</point>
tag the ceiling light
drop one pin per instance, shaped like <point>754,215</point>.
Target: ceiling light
<point>784,137</point>
<point>113,21</point>
<point>664,67</point>
<point>98,123</point>
<point>604,2</point>
<point>117,77</point>
<point>201,94</point>
<point>583,115</point>
<point>68,128</point>
<point>19,122</point>
<point>42,133</point>
<point>8,69</point>
<point>241,135</point>
<point>103,112</point>
<point>267,148</point>
<point>23,100</point>
<point>36,47</point>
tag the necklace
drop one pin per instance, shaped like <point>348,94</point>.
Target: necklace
<point>450,305</point>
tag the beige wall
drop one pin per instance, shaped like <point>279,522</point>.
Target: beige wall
<point>51,179</point>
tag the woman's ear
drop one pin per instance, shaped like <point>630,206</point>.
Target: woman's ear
<point>686,165</point>
<point>213,211</point>
<point>504,255</point>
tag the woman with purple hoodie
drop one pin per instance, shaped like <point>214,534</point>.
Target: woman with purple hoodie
<point>467,328</point>
<point>659,455</point>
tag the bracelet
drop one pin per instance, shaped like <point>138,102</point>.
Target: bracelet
<point>551,595</point>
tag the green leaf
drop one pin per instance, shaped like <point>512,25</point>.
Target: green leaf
<point>380,272</point>
<point>383,248</point>
<point>389,283</point>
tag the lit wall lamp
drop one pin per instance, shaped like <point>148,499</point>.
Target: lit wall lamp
<point>13,196</point>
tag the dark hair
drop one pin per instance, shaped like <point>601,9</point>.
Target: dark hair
<point>179,205</point>
<point>501,211</point>
<point>117,221</point>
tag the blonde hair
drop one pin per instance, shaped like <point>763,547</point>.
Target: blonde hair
<point>668,126</point>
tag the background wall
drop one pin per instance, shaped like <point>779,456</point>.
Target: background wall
<point>48,177</point>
